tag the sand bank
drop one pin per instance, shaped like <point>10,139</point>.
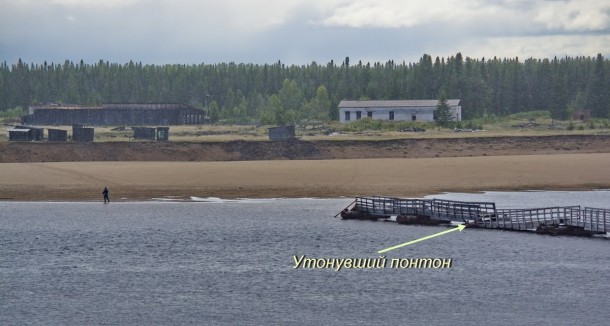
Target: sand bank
<point>301,178</point>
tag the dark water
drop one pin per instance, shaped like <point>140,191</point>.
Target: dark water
<point>231,263</point>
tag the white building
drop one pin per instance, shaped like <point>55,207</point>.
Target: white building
<point>400,110</point>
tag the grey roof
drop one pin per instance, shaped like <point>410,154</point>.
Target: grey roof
<point>395,103</point>
<point>120,106</point>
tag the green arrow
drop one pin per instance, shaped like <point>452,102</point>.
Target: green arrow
<point>459,227</point>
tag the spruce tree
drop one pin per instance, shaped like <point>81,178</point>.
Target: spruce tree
<point>443,114</point>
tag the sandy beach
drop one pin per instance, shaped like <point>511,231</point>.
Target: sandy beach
<point>401,177</point>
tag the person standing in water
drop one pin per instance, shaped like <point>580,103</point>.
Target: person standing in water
<point>105,193</point>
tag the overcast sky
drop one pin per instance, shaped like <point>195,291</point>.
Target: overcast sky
<point>298,31</point>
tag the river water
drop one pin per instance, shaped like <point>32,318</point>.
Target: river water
<point>215,262</point>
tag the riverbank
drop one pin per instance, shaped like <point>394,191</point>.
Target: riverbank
<point>401,177</point>
<point>241,150</point>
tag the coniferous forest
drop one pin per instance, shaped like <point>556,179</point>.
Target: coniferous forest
<point>280,93</point>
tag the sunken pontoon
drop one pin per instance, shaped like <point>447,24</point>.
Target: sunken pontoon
<point>567,220</point>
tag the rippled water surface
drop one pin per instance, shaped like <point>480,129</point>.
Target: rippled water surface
<point>231,263</point>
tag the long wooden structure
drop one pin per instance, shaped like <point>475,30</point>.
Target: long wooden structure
<point>570,220</point>
<point>116,114</point>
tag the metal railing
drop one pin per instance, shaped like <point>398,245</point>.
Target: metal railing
<point>486,215</point>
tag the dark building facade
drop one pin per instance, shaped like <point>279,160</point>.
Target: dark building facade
<point>159,133</point>
<point>116,115</point>
<point>282,133</point>
<point>144,133</point>
<point>19,135</point>
<point>58,135</point>
<point>25,133</point>
<point>82,134</point>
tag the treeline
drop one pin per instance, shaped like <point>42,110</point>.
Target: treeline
<point>278,93</point>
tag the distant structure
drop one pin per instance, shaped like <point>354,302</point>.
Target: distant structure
<point>159,133</point>
<point>282,133</point>
<point>25,133</point>
<point>139,114</point>
<point>58,135</point>
<point>582,115</point>
<point>80,133</point>
<point>144,133</point>
<point>397,110</point>
<point>16,134</point>
<point>162,133</point>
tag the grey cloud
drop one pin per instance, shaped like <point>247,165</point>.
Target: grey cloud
<point>167,32</point>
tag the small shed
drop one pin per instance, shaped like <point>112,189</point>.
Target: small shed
<point>162,133</point>
<point>82,134</point>
<point>34,133</point>
<point>282,133</point>
<point>19,135</point>
<point>25,133</point>
<point>144,133</point>
<point>582,115</point>
<point>58,135</point>
<point>158,133</point>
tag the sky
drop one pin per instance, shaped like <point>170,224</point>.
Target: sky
<point>298,31</point>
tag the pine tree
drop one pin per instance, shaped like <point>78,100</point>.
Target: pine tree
<point>598,97</point>
<point>497,86</point>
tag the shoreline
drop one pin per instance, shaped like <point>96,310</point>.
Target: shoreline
<point>215,200</point>
<point>345,178</point>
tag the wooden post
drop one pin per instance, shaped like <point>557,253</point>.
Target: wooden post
<point>345,208</point>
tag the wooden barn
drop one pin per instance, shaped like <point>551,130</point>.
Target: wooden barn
<point>139,114</point>
<point>397,110</point>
